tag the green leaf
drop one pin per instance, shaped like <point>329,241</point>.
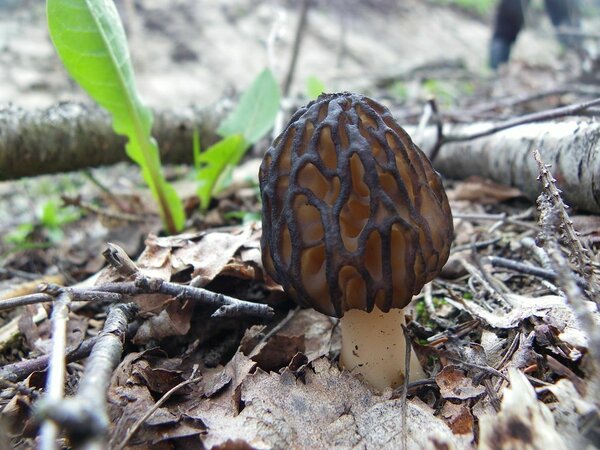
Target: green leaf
<point>49,214</point>
<point>20,235</point>
<point>91,42</point>
<point>53,216</point>
<point>314,87</point>
<point>255,113</point>
<point>211,163</point>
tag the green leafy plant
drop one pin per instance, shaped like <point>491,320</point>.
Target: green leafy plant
<point>399,90</point>
<point>441,90</point>
<point>49,225</point>
<point>314,87</point>
<point>90,40</point>
<point>248,122</point>
<point>478,7</point>
<point>256,111</point>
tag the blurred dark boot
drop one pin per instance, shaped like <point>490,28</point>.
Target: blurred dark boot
<point>499,52</point>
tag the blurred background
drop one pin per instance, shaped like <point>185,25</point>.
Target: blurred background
<point>194,51</point>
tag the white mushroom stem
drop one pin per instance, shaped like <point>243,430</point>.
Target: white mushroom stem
<point>373,345</point>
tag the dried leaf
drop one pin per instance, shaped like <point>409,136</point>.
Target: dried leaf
<point>454,384</point>
<point>458,417</point>
<point>483,191</point>
<point>522,423</point>
<point>172,321</point>
<point>277,352</point>
<point>522,307</point>
<point>493,347</point>
<point>211,254</point>
<point>329,409</point>
<point>568,412</point>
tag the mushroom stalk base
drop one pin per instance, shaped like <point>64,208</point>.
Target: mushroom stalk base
<point>373,345</point>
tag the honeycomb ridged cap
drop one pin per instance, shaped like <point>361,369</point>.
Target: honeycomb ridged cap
<point>353,213</point>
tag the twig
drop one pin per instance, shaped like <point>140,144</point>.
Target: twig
<point>511,102</point>
<point>569,110</point>
<point>105,213</point>
<point>227,306</point>
<point>296,48</point>
<point>551,114</point>
<point>18,273</point>
<point>77,295</point>
<point>118,202</point>
<point>157,405</point>
<point>539,253</point>
<point>428,299</point>
<point>439,126</point>
<point>55,383</point>
<point>564,227</point>
<point>20,370</point>
<point>554,222</point>
<point>84,417</point>
<point>477,245</point>
<point>499,218</point>
<point>31,299</point>
<point>528,269</point>
<point>488,369</point>
<point>273,331</point>
<point>123,291</point>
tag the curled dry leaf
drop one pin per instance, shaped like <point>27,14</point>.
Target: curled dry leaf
<point>454,384</point>
<point>552,307</point>
<point>174,320</point>
<point>277,352</point>
<point>458,417</point>
<point>522,423</point>
<point>493,347</point>
<point>205,253</point>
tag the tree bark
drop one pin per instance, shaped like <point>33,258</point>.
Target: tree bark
<point>72,136</point>
<point>571,146</point>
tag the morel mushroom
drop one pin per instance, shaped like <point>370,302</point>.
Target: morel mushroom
<point>355,222</point>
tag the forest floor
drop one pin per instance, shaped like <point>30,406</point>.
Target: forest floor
<point>495,340</point>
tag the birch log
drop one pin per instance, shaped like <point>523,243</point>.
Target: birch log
<point>571,146</point>
<point>72,136</point>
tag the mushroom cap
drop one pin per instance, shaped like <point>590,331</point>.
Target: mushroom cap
<point>353,213</point>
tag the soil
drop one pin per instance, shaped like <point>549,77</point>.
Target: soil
<point>190,51</point>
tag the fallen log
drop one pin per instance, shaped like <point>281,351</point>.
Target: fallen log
<point>73,136</point>
<point>571,146</point>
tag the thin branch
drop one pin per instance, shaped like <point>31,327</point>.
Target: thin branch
<point>541,116</point>
<point>555,222</point>
<point>84,417</point>
<point>78,202</point>
<point>55,383</point>
<point>31,299</point>
<point>439,126</point>
<point>20,370</point>
<point>299,36</point>
<point>528,269</point>
<point>578,252</point>
<point>231,306</point>
<point>551,114</point>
